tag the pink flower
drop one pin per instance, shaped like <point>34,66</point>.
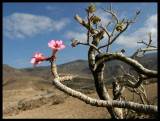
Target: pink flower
<point>56,45</point>
<point>37,59</point>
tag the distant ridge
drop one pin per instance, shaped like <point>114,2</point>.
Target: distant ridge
<point>77,67</point>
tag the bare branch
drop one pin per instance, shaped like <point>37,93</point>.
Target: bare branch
<point>102,103</point>
<point>147,44</point>
<point>140,50</point>
<point>89,44</point>
<point>128,23</point>
<point>111,7</point>
<point>114,38</point>
<point>144,50</point>
<point>104,29</point>
<point>85,24</point>
<point>132,21</point>
<point>113,14</point>
<point>110,103</point>
<point>115,86</point>
<point>127,73</point>
<point>96,65</point>
<point>104,57</point>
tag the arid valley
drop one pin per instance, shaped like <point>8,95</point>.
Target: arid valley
<point>28,93</point>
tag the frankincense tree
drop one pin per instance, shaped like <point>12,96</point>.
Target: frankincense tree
<point>118,106</point>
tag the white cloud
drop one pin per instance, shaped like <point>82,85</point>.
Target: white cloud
<point>82,37</point>
<point>152,21</point>
<point>59,25</point>
<point>19,25</point>
<point>130,41</point>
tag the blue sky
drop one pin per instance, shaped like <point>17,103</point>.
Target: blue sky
<point>28,27</point>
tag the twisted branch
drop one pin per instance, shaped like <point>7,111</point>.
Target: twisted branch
<point>104,57</point>
<point>96,65</point>
<point>148,109</point>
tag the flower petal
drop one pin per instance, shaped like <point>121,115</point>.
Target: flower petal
<point>33,59</point>
<point>59,42</point>
<point>36,64</point>
<point>51,43</point>
<point>62,46</point>
<point>39,62</point>
<point>36,54</point>
<point>40,54</point>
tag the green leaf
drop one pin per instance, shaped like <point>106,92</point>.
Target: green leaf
<point>92,4</point>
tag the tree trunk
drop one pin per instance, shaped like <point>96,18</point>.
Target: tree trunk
<point>116,113</point>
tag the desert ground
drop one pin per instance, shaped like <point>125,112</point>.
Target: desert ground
<point>61,106</point>
<point>53,104</point>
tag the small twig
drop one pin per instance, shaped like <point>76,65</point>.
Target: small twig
<point>128,23</point>
<point>147,44</point>
<point>109,37</point>
<point>132,21</point>
<point>89,44</point>
<point>140,50</point>
<point>109,23</point>
<point>114,38</point>
<point>111,7</point>
<point>104,29</point>
<point>108,47</point>
<point>144,50</point>
<point>123,20</point>
<point>113,14</point>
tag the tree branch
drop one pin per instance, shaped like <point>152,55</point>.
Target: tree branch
<point>85,24</point>
<point>148,109</point>
<point>113,14</point>
<point>104,57</point>
<point>89,44</point>
<point>146,49</point>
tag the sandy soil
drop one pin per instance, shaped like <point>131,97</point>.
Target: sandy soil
<point>71,108</point>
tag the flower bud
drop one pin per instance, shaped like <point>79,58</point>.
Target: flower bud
<point>119,27</point>
<point>91,9</point>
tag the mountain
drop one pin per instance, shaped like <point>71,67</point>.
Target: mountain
<point>23,82</point>
<point>10,71</point>
<point>42,74</point>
